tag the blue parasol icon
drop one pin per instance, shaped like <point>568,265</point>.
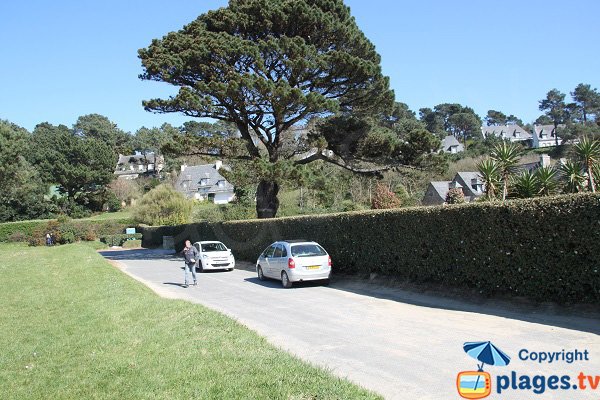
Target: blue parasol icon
<point>487,353</point>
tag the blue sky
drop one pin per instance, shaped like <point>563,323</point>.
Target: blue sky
<point>63,59</point>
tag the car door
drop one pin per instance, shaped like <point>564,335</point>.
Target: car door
<point>267,259</point>
<point>275,262</point>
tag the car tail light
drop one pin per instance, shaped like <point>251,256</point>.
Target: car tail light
<point>329,262</point>
<point>291,263</point>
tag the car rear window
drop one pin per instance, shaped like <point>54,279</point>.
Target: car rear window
<point>307,250</point>
<point>208,247</point>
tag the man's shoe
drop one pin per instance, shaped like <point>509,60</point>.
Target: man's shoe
<point>195,283</point>
<point>185,286</point>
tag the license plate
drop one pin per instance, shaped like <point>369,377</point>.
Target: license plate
<point>313,267</point>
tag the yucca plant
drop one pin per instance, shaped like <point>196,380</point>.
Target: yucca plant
<point>506,155</point>
<point>490,175</point>
<point>572,176</point>
<point>587,151</point>
<point>526,185</point>
<point>547,178</point>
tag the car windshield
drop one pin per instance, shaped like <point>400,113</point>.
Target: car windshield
<point>208,247</point>
<point>307,250</point>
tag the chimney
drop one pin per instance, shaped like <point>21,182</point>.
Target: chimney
<point>545,160</point>
<point>183,167</point>
<point>218,164</point>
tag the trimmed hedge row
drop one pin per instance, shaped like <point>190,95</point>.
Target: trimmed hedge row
<point>544,248</point>
<point>35,231</point>
<point>118,240</point>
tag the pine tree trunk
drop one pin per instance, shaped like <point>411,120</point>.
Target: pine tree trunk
<point>267,202</point>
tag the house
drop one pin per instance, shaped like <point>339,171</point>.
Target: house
<point>132,166</point>
<point>512,133</point>
<point>545,136</point>
<point>531,167</point>
<point>470,183</point>
<point>451,145</point>
<point>204,182</point>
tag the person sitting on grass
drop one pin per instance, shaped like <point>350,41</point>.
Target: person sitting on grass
<point>190,253</point>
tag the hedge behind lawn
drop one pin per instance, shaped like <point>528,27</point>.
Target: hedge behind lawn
<point>544,248</point>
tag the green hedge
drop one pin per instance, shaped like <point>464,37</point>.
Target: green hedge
<point>118,240</point>
<point>544,248</point>
<point>35,231</point>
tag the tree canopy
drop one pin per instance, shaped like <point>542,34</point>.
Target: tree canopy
<point>268,66</point>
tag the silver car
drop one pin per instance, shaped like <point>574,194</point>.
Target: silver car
<point>294,261</point>
<point>214,255</point>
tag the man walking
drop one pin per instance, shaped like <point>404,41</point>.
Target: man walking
<point>190,253</point>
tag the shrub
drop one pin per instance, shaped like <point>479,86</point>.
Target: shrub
<point>545,248</point>
<point>119,240</point>
<point>455,196</point>
<point>163,206</point>
<point>65,230</point>
<point>384,198</point>
<point>132,244</point>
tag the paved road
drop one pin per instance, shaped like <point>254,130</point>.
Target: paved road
<point>401,345</point>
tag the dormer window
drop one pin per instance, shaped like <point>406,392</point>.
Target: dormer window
<point>204,182</point>
<point>221,183</point>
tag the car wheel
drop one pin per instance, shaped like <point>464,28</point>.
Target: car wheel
<point>230,269</point>
<point>325,282</point>
<point>285,280</point>
<point>259,271</point>
<point>200,268</point>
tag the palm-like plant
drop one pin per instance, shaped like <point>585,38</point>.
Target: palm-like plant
<point>490,175</point>
<point>547,178</point>
<point>526,185</point>
<point>573,177</point>
<point>587,151</point>
<point>506,155</point>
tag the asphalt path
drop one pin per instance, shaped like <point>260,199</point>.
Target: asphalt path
<point>403,345</point>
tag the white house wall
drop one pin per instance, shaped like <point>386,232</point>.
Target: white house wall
<point>223,197</point>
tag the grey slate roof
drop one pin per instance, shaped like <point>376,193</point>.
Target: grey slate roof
<point>190,180</point>
<point>511,132</point>
<point>548,129</point>
<point>466,178</point>
<point>136,159</point>
<point>450,141</point>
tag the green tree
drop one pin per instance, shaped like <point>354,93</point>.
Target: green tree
<point>490,175</point>
<point>555,108</point>
<point>266,66</point>
<point>79,165</point>
<point>526,185</point>
<point>506,155</point>
<point>494,117</point>
<point>586,99</point>
<point>587,152</point>
<point>547,179</point>
<point>573,177</point>
<point>21,188</point>
<point>99,127</point>
<point>163,205</point>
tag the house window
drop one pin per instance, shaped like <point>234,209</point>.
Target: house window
<point>204,182</point>
<point>221,183</point>
<point>140,167</point>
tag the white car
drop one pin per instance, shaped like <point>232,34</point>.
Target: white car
<point>214,255</point>
<point>294,261</point>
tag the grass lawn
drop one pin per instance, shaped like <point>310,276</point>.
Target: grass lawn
<point>125,214</point>
<point>74,327</point>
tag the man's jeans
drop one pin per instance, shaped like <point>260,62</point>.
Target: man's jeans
<point>187,269</point>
